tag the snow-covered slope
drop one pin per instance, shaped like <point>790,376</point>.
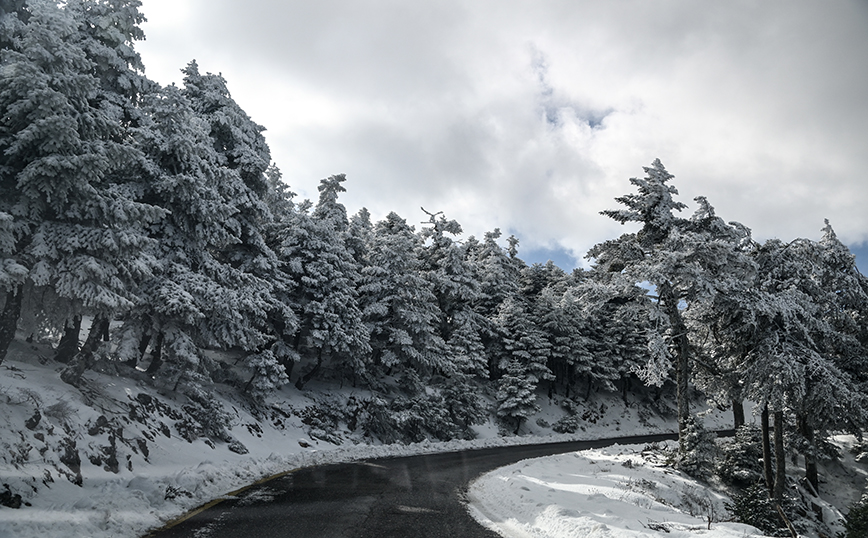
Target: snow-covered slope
<point>118,457</point>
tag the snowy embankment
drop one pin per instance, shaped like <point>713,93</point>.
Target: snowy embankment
<point>615,492</point>
<point>115,457</point>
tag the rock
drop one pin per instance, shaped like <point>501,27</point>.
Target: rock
<point>32,422</point>
<point>237,447</point>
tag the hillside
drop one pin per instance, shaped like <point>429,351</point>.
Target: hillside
<point>118,456</point>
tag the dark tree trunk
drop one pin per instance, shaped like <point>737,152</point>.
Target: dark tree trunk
<point>143,347</point>
<point>811,473</point>
<point>302,381</point>
<point>156,356</point>
<point>682,356</point>
<point>288,367</point>
<point>780,459</point>
<point>737,413</point>
<point>68,346</point>
<point>767,450</point>
<point>9,319</point>
<point>83,360</point>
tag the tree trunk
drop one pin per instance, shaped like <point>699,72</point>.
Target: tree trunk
<point>767,450</point>
<point>302,381</point>
<point>250,382</point>
<point>682,356</point>
<point>156,356</point>
<point>143,346</point>
<point>83,360</point>
<point>780,459</point>
<point>68,346</point>
<point>9,319</point>
<point>737,413</point>
<point>807,431</point>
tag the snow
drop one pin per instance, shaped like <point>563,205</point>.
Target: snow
<point>592,493</point>
<point>615,492</point>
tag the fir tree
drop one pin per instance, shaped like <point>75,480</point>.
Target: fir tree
<point>70,196</point>
<point>444,264</point>
<point>687,261</point>
<point>325,275</point>
<point>399,305</point>
<point>205,291</point>
<point>516,398</point>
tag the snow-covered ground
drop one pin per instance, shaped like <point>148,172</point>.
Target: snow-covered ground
<point>627,492</point>
<point>615,492</point>
<point>137,472</point>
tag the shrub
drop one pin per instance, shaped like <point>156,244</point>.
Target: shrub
<point>700,450</point>
<point>752,506</point>
<point>567,424</point>
<point>856,522</point>
<point>740,463</point>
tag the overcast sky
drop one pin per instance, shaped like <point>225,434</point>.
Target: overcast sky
<point>531,116</point>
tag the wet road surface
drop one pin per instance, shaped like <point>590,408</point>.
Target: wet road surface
<point>416,496</point>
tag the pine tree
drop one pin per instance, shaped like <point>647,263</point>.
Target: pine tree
<point>325,275</point>
<point>687,261</point>
<point>444,264</point>
<point>69,192</point>
<point>210,289</point>
<point>516,397</point>
<point>522,340</point>
<point>774,337</point>
<point>399,305</point>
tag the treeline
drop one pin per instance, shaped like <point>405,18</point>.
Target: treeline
<point>156,213</point>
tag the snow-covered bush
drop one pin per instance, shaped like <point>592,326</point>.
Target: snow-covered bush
<point>856,522</point>
<point>205,417</point>
<point>411,420</point>
<point>567,424</point>
<point>322,420</point>
<point>740,463</point>
<point>753,507</point>
<point>700,450</point>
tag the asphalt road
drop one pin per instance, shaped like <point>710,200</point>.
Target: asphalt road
<point>417,496</point>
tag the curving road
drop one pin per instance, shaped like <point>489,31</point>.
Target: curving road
<point>417,496</point>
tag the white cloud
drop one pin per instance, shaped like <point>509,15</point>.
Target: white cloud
<point>532,116</point>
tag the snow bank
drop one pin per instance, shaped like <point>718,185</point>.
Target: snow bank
<point>617,492</point>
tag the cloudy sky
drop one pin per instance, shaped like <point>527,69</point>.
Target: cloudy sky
<point>531,116</point>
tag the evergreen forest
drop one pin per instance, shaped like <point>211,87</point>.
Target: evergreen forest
<point>152,220</point>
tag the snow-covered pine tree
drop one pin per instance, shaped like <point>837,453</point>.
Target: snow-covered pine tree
<point>559,315</point>
<point>685,260</point>
<point>359,234</point>
<point>399,305</point>
<point>516,395</point>
<point>68,185</point>
<point>444,264</point>
<point>324,273</point>
<point>523,340</point>
<point>204,293</point>
<point>497,273</point>
<point>773,336</point>
<point>845,305</point>
<point>498,276</point>
<point>615,328</point>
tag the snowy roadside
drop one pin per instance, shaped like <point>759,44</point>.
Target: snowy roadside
<point>157,475</point>
<point>124,506</point>
<point>615,492</point>
<point>627,491</point>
